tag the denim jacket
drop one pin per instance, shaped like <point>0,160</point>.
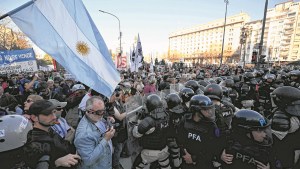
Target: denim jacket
<point>93,149</point>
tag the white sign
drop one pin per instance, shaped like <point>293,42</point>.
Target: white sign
<point>17,67</point>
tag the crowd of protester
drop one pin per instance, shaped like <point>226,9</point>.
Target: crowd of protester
<point>193,117</point>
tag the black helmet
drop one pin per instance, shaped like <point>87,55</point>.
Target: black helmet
<point>199,77</point>
<point>219,80</point>
<point>295,73</point>
<point>249,120</point>
<point>192,84</point>
<point>201,102</point>
<point>248,76</point>
<point>287,98</point>
<point>174,103</point>
<point>213,91</point>
<point>246,121</point>
<point>212,81</point>
<point>153,102</point>
<point>269,77</point>
<point>236,78</point>
<point>186,94</point>
<point>203,83</point>
<point>229,83</point>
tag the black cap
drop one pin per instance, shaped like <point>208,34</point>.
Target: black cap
<point>44,107</point>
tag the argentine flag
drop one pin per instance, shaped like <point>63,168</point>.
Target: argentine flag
<point>65,30</point>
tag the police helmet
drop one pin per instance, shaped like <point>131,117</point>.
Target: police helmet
<point>174,103</point>
<point>287,98</point>
<point>229,83</point>
<point>245,121</point>
<point>236,78</point>
<point>212,81</point>
<point>13,132</point>
<point>213,91</point>
<point>203,83</point>
<point>248,76</point>
<point>192,84</point>
<point>269,77</point>
<point>186,94</point>
<point>248,120</point>
<point>153,102</point>
<point>200,103</point>
<point>219,80</point>
<point>295,73</point>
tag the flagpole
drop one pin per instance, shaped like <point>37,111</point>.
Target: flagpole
<point>17,9</point>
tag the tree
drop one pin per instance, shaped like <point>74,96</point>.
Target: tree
<point>12,40</point>
<point>163,62</point>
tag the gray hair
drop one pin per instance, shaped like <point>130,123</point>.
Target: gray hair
<point>91,101</point>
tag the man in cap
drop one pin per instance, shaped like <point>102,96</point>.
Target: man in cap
<point>62,127</point>
<point>45,145</point>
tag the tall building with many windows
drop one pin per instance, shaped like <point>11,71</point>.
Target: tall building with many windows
<point>203,43</point>
<point>283,32</point>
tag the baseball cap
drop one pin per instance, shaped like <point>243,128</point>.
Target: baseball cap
<point>58,103</point>
<point>44,107</point>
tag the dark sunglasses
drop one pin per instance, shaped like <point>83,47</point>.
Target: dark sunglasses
<point>98,112</point>
<point>59,109</point>
<point>28,101</point>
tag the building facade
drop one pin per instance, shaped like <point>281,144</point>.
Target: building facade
<point>203,43</point>
<point>283,32</point>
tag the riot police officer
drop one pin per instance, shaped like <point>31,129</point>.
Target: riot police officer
<point>13,136</point>
<point>199,134</point>
<point>285,125</point>
<point>186,94</point>
<point>264,99</point>
<point>247,91</point>
<point>176,113</point>
<point>192,84</point>
<point>152,131</point>
<point>250,145</point>
<point>295,78</point>
<point>224,109</point>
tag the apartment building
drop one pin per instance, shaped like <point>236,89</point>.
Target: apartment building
<point>203,43</point>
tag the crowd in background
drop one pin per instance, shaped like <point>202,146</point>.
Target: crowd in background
<point>69,125</point>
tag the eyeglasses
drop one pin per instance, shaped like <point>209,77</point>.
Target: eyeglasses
<point>29,101</point>
<point>98,112</point>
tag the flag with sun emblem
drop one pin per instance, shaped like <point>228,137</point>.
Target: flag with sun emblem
<point>65,30</point>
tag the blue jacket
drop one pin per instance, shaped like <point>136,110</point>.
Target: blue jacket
<point>93,149</point>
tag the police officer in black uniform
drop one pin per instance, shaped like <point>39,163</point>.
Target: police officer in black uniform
<point>295,78</point>
<point>224,109</point>
<point>285,125</point>
<point>186,94</point>
<point>266,87</point>
<point>176,113</point>
<point>152,131</point>
<point>250,147</point>
<point>199,135</point>
<point>248,91</point>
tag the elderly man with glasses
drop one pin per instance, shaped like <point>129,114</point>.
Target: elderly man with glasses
<point>93,137</point>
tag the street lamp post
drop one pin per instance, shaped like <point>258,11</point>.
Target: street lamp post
<point>226,1</point>
<point>262,34</point>
<point>119,29</point>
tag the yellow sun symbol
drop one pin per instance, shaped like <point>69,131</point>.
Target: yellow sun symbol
<point>82,48</point>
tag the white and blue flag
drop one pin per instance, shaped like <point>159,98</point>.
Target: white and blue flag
<point>65,30</point>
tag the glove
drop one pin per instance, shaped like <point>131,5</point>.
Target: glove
<point>280,121</point>
<point>146,125</point>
